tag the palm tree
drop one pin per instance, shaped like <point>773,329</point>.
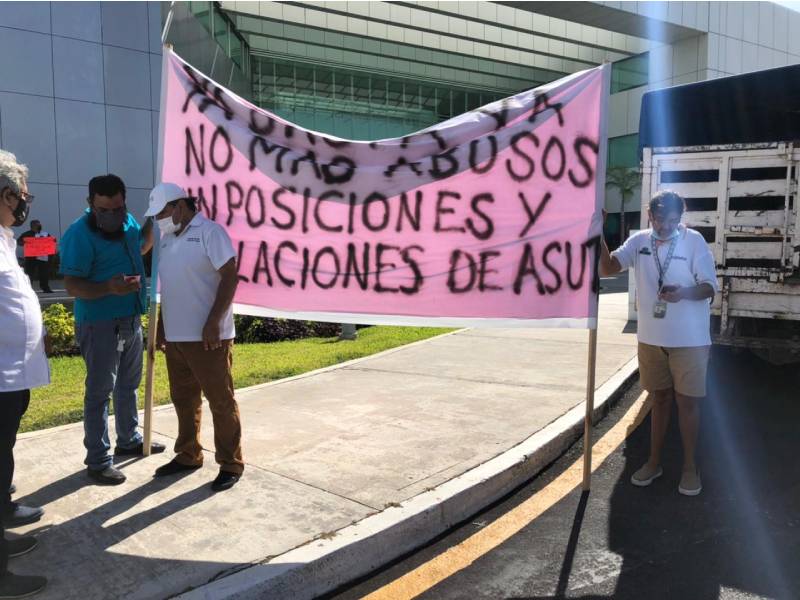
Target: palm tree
<point>626,180</point>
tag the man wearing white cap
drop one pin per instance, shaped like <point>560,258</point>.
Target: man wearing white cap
<point>198,279</point>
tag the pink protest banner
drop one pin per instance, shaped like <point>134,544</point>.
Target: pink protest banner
<point>491,218</point>
<point>39,246</point>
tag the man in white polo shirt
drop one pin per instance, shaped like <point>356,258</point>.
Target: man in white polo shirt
<point>675,281</point>
<point>198,279</point>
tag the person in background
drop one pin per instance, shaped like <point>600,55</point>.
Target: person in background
<point>37,267</point>
<point>101,259</point>
<point>23,365</point>
<point>675,282</point>
<point>198,278</point>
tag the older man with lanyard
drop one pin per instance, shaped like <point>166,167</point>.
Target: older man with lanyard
<point>675,280</point>
<point>23,365</point>
<point>198,279</point>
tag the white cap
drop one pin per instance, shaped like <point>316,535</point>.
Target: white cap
<point>161,195</point>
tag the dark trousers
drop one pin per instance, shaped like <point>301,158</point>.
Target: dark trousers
<point>12,406</point>
<point>38,269</point>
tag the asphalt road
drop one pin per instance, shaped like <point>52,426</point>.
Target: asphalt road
<point>740,538</point>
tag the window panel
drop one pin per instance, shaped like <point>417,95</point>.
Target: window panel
<point>284,77</point>
<point>304,80</point>
<point>361,88</point>
<point>428,98</point>
<point>342,86</point>
<point>411,95</point>
<point>323,83</point>
<point>630,73</point>
<point>202,12</point>
<point>623,151</point>
<point>221,32</point>
<point>379,90</point>
<point>395,97</point>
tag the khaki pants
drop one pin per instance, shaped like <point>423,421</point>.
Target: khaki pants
<point>193,370</point>
<point>681,369</point>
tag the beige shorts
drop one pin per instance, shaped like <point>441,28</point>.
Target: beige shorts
<point>681,368</point>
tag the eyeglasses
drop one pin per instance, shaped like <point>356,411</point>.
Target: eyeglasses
<point>26,197</point>
<point>665,221</point>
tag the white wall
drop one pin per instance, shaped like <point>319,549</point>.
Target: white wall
<point>79,97</point>
<point>732,38</point>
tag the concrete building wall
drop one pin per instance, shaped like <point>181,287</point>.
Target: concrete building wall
<point>730,38</point>
<point>79,97</point>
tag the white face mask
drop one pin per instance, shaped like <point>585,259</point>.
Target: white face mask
<point>672,235</point>
<point>166,226</point>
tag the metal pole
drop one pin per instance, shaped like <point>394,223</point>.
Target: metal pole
<point>167,23</point>
<point>587,423</point>
<point>153,324</point>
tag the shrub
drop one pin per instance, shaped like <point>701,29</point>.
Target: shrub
<point>251,330</point>
<point>60,327</point>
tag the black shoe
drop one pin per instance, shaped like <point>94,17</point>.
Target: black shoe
<point>224,481</point>
<point>173,467</point>
<point>108,476</point>
<point>138,450</point>
<point>22,545</point>
<point>12,489</point>
<point>17,515</point>
<point>20,586</point>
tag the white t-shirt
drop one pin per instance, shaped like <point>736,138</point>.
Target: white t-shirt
<point>188,274</point>
<point>23,363</point>
<point>688,322</point>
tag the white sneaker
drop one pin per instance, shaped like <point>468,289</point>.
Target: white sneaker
<point>646,475</point>
<point>690,484</point>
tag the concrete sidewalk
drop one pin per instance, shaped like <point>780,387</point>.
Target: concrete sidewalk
<point>323,451</point>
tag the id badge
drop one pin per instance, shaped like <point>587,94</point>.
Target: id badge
<point>659,309</point>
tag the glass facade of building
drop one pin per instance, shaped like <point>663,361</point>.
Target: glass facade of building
<point>377,70</point>
<point>223,31</point>
<point>357,87</point>
<point>357,104</point>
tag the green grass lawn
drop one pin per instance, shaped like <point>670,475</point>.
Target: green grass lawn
<point>62,401</point>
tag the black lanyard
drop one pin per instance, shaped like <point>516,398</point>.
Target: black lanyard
<point>136,270</point>
<point>662,270</point>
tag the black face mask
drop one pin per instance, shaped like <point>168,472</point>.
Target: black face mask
<point>21,212</point>
<point>108,223</point>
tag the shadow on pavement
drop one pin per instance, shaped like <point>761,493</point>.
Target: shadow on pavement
<point>740,537</point>
<point>572,546</point>
<point>741,532</point>
<point>91,540</point>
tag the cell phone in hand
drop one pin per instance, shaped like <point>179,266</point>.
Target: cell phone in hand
<point>133,278</point>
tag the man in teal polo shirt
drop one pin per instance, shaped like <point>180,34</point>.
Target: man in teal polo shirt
<point>101,259</point>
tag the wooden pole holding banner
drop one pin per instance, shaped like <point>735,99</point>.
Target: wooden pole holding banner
<point>152,328</point>
<point>587,422</point>
<point>592,361</point>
